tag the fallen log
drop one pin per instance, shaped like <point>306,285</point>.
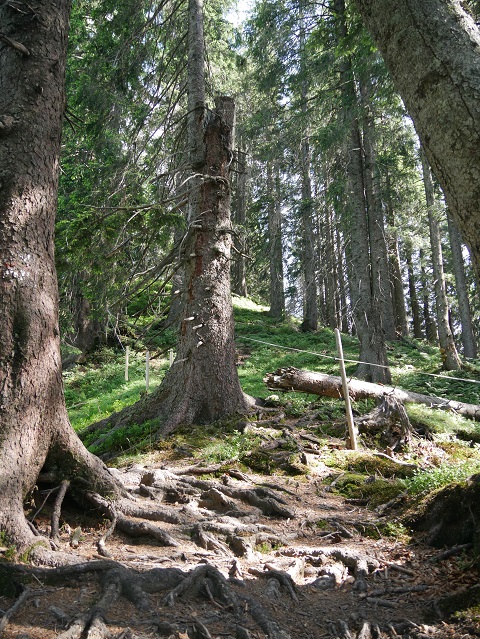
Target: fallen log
<point>294,379</point>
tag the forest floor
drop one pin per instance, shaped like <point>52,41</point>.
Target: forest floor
<point>300,562</point>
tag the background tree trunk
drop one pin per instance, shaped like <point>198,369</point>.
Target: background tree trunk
<point>447,345</point>
<point>432,49</point>
<point>240,217</point>
<point>277,294</point>
<point>414,303</point>
<point>365,307</point>
<point>464,310</point>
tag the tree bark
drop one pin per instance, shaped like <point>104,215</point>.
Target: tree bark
<point>432,49</point>
<point>293,379</point>
<point>34,427</point>
<point>309,262</point>
<point>240,217</point>
<point>451,360</point>
<point>376,220</point>
<point>464,310</point>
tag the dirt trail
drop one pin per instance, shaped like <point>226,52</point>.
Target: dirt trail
<point>296,563</point>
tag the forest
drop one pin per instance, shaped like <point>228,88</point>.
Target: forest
<point>239,319</point>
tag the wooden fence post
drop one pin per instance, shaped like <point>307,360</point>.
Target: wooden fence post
<point>171,357</point>
<point>127,355</point>
<point>352,429</point>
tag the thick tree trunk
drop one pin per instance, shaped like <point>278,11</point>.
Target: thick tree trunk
<point>432,49</point>
<point>293,379</point>
<point>451,360</point>
<point>34,426</point>
<point>277,293</point>
<point>464,310</point>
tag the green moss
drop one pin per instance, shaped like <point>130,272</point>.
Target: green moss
<point>373,465</point>
<point>379,491</point>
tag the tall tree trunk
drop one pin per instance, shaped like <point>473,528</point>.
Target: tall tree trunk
<point>431,331</point>
<point>240,218</point>
<point>451,360</point>
<point>414,303</point>
<point>310,302</point>
<point>309,262</point>
<point>277,293</point>
<point>34,427</point>
<point>432,49</point>
<point>342,281</point>
<point>373,351</point>
<point>376,221</point>
<point>331,276</point>
<point>468,335</point>
<point>396,280</point>
<point>202,385</point>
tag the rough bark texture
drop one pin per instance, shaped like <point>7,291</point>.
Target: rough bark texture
<point>239,269</point>
<point>376,219</point>
<point>331,386</point>
<point>432,49</point>
<point>34,427</point>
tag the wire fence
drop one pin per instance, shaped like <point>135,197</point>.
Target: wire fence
<point>354,361</point>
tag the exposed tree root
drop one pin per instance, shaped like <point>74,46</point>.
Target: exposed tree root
<point>13,609</point>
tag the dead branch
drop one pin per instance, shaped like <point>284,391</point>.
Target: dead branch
<point>13,609</point>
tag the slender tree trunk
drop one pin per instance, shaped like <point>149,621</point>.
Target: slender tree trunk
<point>240,218</point>
<point>432,49</point>
<point>468,335</point>
<point>344,310</point>
<point>331,275</point>
<point>414,303</point>
<point>310,303</point>
<point>34,427</point>
<point>365,307</point>
<point>277,294</point>
<point>431,331</point>
<point>447,344</point>
<point>396,280</point>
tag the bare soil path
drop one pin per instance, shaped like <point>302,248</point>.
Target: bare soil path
<point>256,556</point>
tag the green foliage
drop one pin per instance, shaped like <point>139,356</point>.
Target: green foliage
<point>228,447</point>
<point>96,390</point>
<point>428,480</point>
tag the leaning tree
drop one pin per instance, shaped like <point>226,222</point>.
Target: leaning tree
<point>432,50</point>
